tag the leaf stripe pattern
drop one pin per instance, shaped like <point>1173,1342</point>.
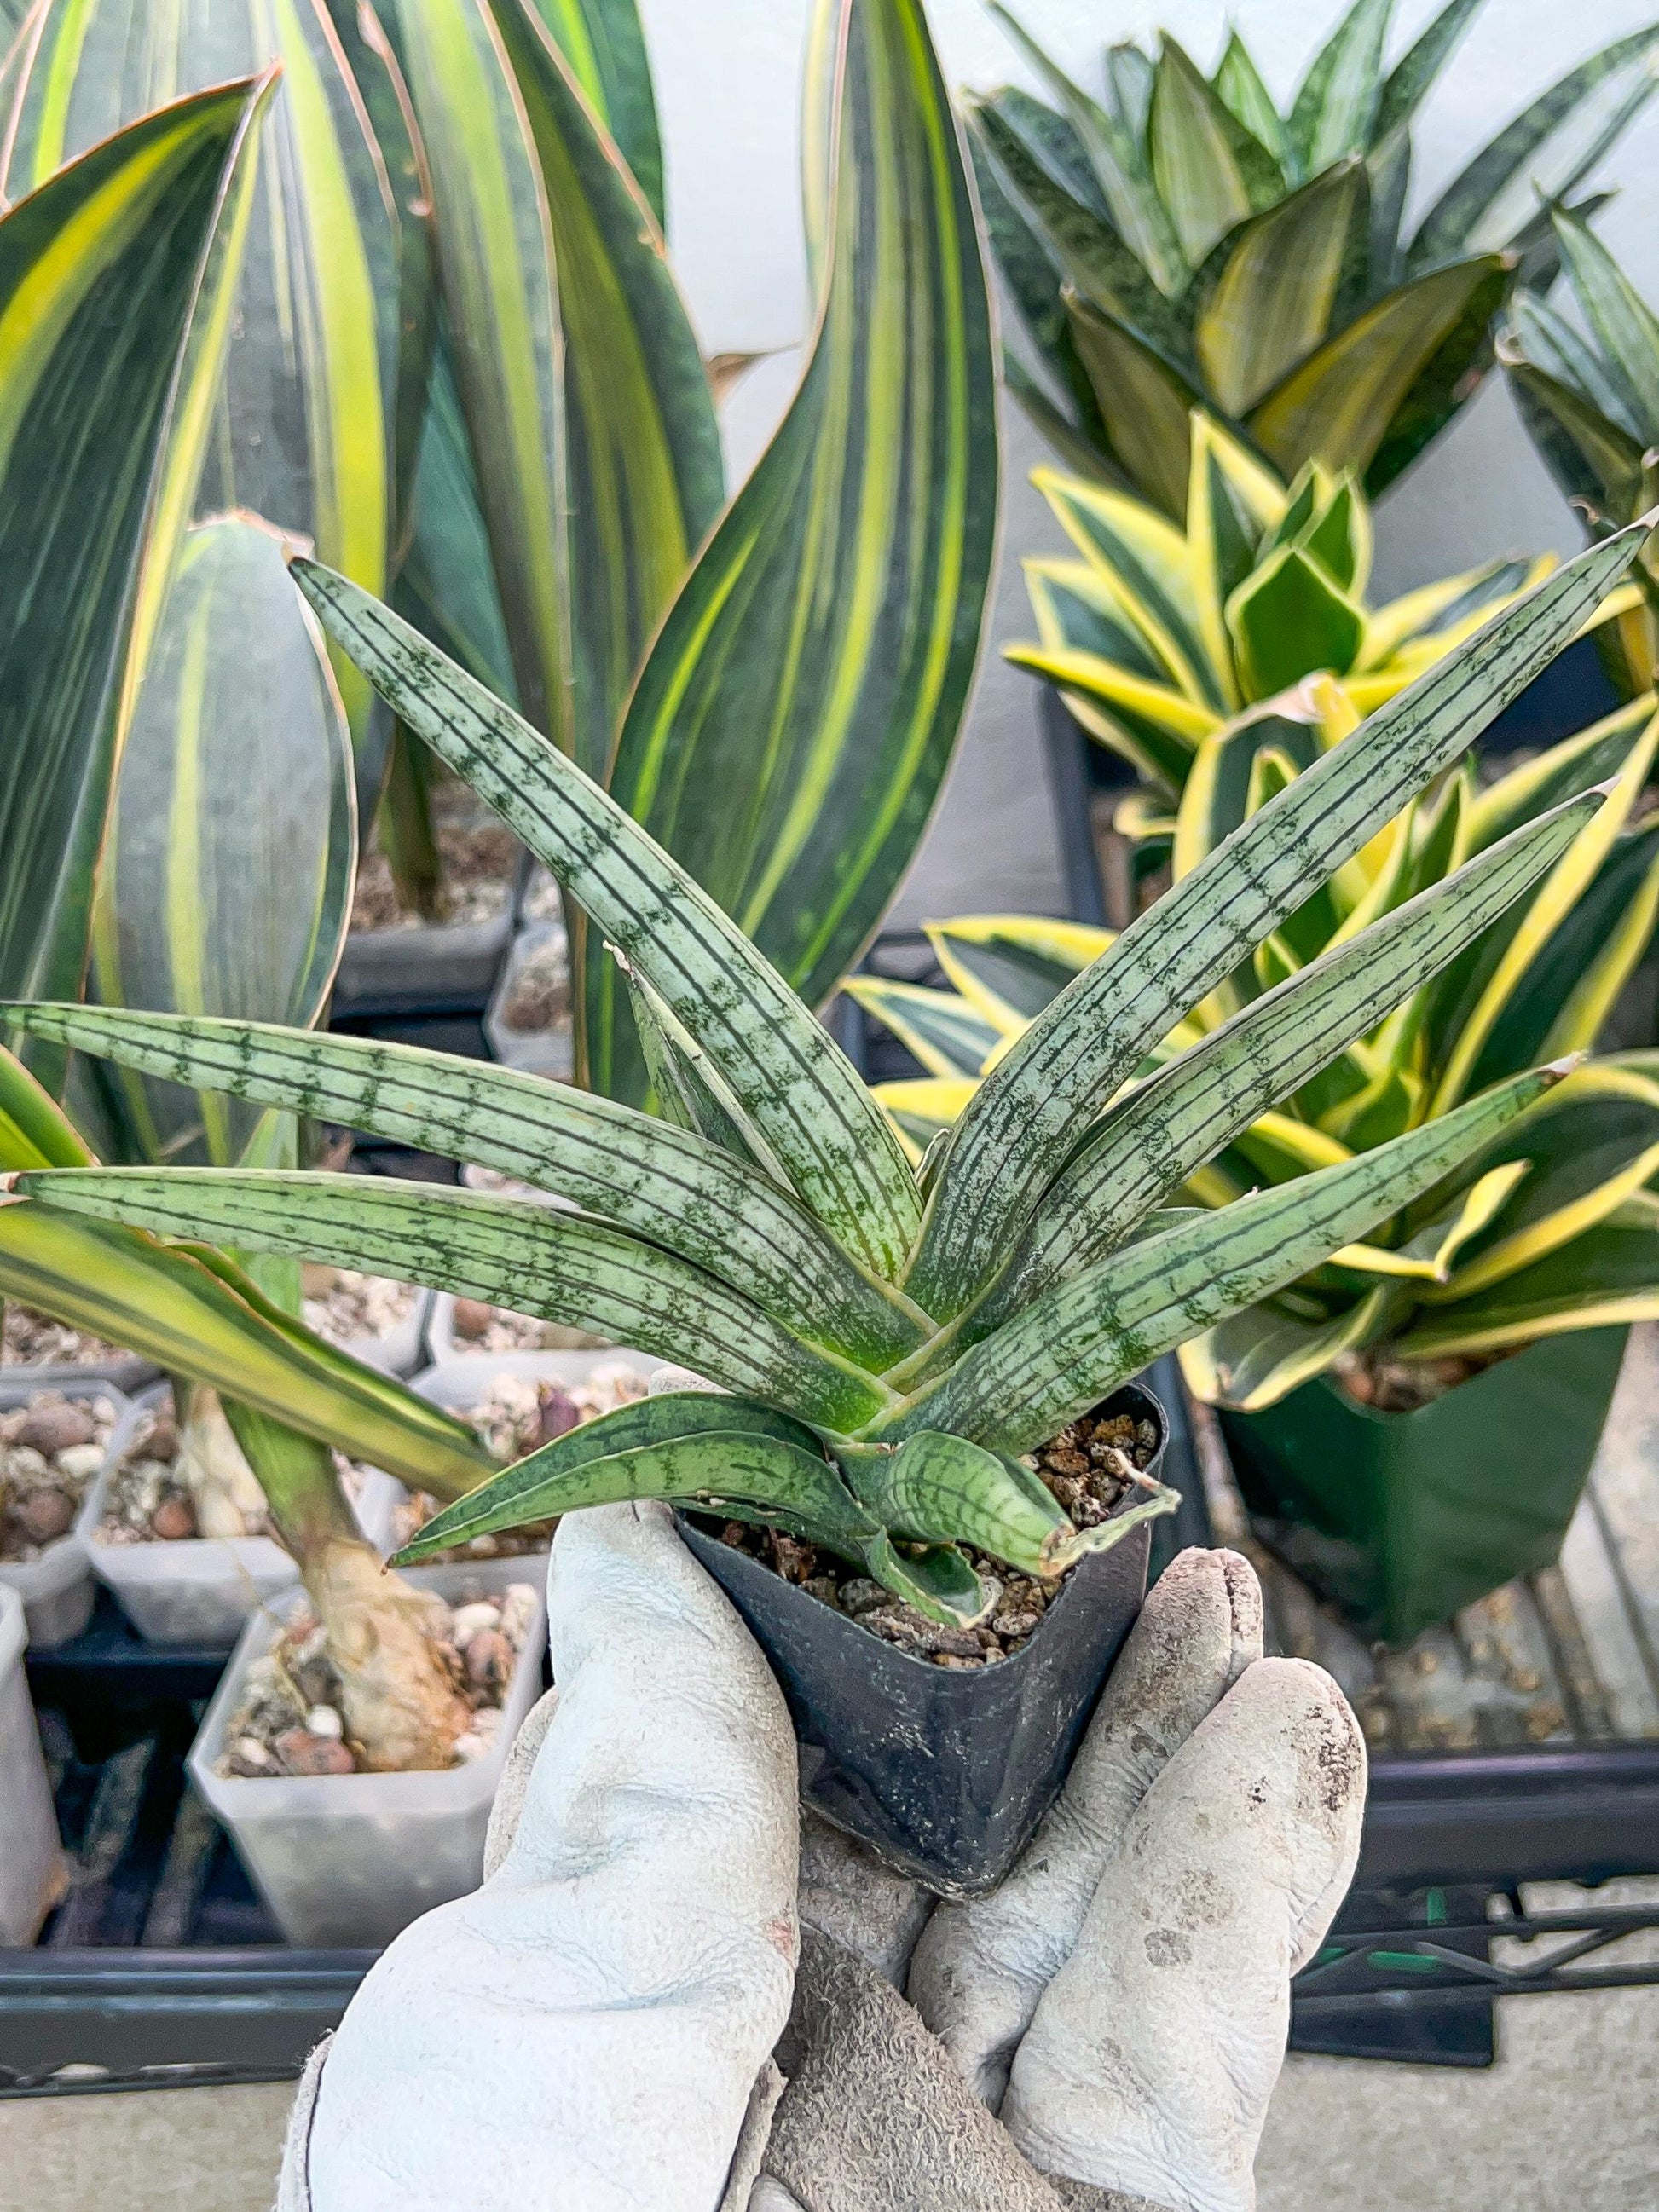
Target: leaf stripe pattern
<point>1076,1343</point>
<point>793,1079</point>
<point>649,1176</point>
<point>1185,1113</point>
<point>511,1252</point>
<point>1025,1114</point>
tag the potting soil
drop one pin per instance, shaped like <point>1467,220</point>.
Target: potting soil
<point>1087,1470</point>
<point>291,1719</point>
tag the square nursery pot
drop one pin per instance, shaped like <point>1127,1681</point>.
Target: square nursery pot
<point>200,1590</point>
<point>1401,1519</point>
<point>32,1869</point>
<point>428,967</point>
<point>943,1773</point>
<point>58,1588</point>
<point>347,1861</point>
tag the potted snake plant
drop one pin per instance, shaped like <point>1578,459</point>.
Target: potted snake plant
<point>915,1362</point>
<point>1180,242</point>
<point>1378,1407</point>
<point>1156,636</point>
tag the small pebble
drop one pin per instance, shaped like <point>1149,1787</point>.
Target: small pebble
<point>174,1519</point>
<point>469,1747</point>
<point>78,1463</point>
<point>489,1660</point>
<point>557,1413</point>
<point>53,1428</point>
<point>324,1720</point>
<point>472,1318</point>
<point>469,1620</point>
<point>303,1753</point>
<point>45,1515</point>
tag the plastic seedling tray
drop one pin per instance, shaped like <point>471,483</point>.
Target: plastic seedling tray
<point>351,1859</point>
<point>57,1590</point>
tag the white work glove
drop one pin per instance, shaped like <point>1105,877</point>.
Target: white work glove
<point>586,2032</point>
<point>592,2029</point>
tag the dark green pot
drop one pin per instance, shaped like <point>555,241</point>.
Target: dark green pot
<point>1400,1519</point>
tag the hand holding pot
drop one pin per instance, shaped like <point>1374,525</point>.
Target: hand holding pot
<point>1121,2001</point>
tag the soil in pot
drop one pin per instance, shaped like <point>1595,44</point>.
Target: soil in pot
<point>167,1489</point>
<point>481,1327</point>
<point>478,859</point>
<point>536,1000</point>
<point>1090,1469</point>
<point>28,1339</point>
<point>50,1448</point>
<point>943,1760</point>
<point>516,1417</point>
<point>290,1719</point>
<point>541,901</point>
<point>345,1308</point>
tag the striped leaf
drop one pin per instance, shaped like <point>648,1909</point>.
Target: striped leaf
<point>603,46</point>
<point>501,314</point>
<point>1028,1110</point>
<point>1010,966</point>
<point>1412,76</point>
<point>1336,109</point>
<point>1624,326</point>
<point>1604,1278</point>
<point>798,1087</point>
<point>946,1033</point>
<point>34,1130</point>
<point>643,452</point>
<point>1085,1336</point>
<point>1146,1146</point>
<point>644,1174</point>
<point>511,1252</point>
<point>537,1488</point>
<point>1340,405</point>
<point>815,667</point>
<point>1145,402</point>
<point>1254,1358</point>
<point>1542,155</point>
<point>193,1313</point>
<point>1269,300</point>
<point>1211,174</point>
<point>226,882</point>
<point>302,428</point>
<point>105,385</point>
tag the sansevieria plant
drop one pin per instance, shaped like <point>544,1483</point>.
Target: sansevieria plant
<point>891,1338</point>
<point>1549,1227</point>
<point>1589,394</point>
<point>1180,239</point>
<point>1157,637</point>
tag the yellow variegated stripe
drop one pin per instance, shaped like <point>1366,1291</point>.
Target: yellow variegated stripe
<point>1566,883</point>
<point>1261,1355</point>
<point>1580,1021</point>
<point>1175,711</point>
<point>815,664</point>
<point>226,881</point>
<point>1561,768</point>
<point>919,1110</point>
<point>495,267</point>
<point>949,1037</point>
<point>1146,561</point>
<point>1283,1147</point>
<point>88,395</point>
<point>646,477</point>
<point>300,430</point>
<point>604,46</point>
<point>1050,952</point>
<point>1428,1258</point>
<point>1396,624</point>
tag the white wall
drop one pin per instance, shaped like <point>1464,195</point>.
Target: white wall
<point>727,83</point>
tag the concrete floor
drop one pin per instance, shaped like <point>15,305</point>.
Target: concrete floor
<point>1570,2117</point>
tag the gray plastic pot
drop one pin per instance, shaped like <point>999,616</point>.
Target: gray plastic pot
<point>548,1052</point>
<point>32,1869</point>
<point>943,1773</point>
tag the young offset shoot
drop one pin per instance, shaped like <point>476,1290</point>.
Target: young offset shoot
<point>891,1339</point>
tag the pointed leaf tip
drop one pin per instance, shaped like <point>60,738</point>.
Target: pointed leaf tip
<point>1558,1070</point>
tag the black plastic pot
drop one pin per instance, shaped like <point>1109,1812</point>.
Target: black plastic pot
<point>944,1773</point>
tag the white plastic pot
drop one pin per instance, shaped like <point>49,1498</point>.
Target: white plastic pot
<point>402,1351</point>
<point>57,1590</point>
<point>546,1052</point>
<point>200,1590</point>
<point>32,1867</point>
<point>347,1861</point>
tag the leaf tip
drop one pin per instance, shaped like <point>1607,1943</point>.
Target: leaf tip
<point>1556,1071</point>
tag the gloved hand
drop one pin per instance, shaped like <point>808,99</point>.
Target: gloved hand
<point>592,2028</point>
